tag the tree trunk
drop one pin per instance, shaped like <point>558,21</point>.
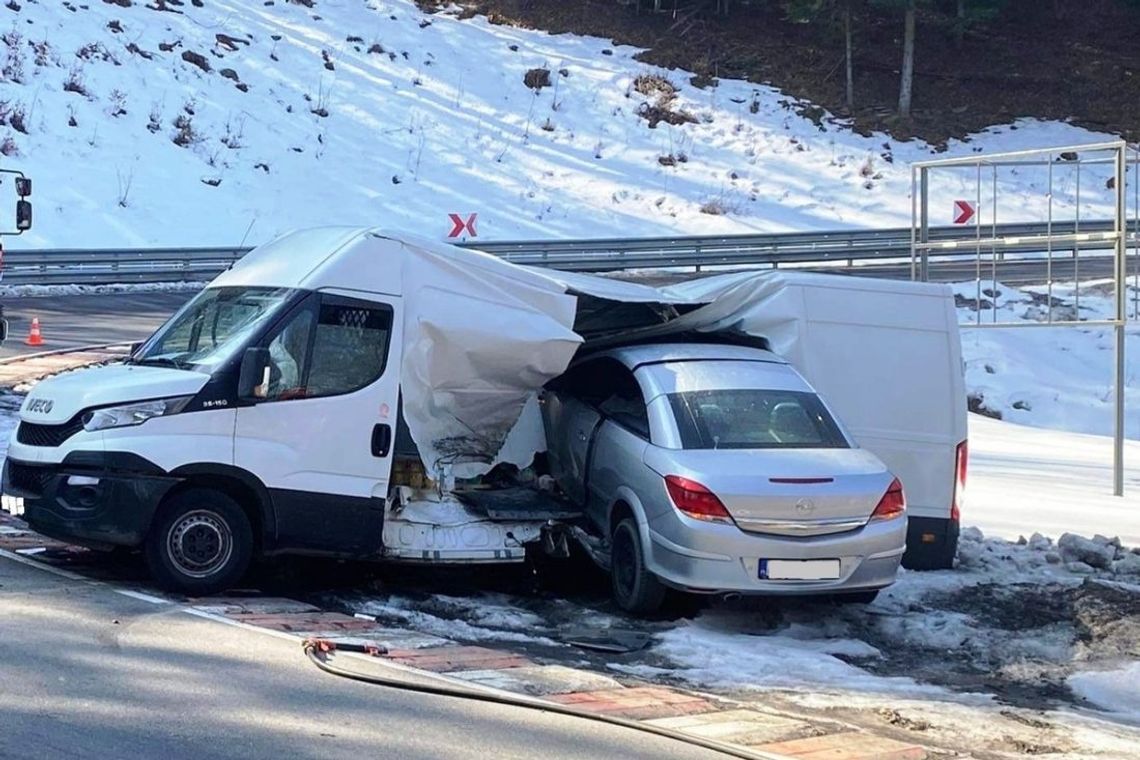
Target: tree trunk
<point>960,27</point>
<point>907,83</point>
<point>849,54</point>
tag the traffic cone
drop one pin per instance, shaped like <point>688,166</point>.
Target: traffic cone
<point>34,336</point>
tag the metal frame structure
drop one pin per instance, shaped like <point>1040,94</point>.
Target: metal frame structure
<point>1069,237</point>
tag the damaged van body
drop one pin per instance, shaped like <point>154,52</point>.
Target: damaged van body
<point>347,393</point>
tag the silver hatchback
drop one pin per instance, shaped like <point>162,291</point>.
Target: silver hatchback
<point>717,469</point>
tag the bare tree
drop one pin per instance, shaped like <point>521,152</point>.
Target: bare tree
<point>906,84</point>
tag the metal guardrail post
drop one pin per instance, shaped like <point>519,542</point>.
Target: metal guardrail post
<point>924,222</point>
<point>1121,318</point>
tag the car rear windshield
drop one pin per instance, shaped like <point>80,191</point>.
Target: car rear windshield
<point>754,419</point>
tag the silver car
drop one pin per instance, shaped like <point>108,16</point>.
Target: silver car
<point>717,469</point>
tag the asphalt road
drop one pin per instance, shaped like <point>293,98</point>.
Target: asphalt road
<point>87,672</point>
<point>73,321</point>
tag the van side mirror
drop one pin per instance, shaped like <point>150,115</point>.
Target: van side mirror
<point>23,215</point>
<point>253,380</point>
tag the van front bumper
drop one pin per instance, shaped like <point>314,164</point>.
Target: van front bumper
<point>96,499</point>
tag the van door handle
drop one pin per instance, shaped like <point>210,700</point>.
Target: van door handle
<point>381,440</point>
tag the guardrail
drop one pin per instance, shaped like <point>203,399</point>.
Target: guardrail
<point>823,250</point>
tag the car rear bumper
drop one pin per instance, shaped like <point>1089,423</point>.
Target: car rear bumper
<point>868,559</point>
<point>106,500</point>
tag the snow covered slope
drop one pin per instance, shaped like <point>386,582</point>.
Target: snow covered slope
<point>205,122</point>
<point>1024,481</point>
<point>1053,377</point>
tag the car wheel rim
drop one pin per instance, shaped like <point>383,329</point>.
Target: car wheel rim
<point>624,561</point>
<point>200,543</point>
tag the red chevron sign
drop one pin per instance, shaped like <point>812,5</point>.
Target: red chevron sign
<point>461,225</point>
<point>964,211</point>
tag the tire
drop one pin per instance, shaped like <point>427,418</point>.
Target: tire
<point>201,543</point>
<point>635,589</point>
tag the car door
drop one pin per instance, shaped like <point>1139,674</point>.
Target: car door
<point>584,398</point>
<point>321,441</point>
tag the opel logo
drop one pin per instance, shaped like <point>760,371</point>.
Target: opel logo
<point>41,405</point>
<point>805,507</point>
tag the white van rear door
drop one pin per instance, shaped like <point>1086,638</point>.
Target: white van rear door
<point>888,361</point>
<point>322,440</point>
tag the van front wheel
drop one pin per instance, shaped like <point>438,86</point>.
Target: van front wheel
<point>201,543</point>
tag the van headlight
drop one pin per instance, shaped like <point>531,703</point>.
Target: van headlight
<point>133,414</point>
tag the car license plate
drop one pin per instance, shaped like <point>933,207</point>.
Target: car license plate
<point>799,569</point>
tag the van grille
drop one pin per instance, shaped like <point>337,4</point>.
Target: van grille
<point>31,434</point>
<point>31,480</point>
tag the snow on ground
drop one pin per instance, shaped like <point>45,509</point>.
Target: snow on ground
<point>37,291</point>
<point>1051,377</point>
<point>1026,480</point>
<point>1116,691</point>
<point>375,113</point>
<point>493,619</point>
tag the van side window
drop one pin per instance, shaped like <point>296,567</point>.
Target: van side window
<point>288,357</point>
<point>350,347</point>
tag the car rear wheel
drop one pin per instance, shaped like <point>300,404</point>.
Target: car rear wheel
<point>635,589</point>
<point>200,544</point>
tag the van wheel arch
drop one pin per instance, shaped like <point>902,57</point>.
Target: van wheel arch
<point>243,487</point>
<point>201,541</point>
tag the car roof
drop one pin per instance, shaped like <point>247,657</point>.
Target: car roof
<point>661,353</point>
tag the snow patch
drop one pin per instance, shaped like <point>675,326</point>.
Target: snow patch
<point>1115,691</point>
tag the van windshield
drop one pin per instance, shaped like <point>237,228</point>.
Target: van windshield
<point>215,324</point>
<point>754,419</point>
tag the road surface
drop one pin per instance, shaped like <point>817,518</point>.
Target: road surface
<point>73,321</point>
<point>88,672</point>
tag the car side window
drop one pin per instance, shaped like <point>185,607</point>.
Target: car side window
<point>610,388</point>
<point>329,347</point>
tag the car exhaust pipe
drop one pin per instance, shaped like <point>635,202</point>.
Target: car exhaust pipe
<point>731,596</point>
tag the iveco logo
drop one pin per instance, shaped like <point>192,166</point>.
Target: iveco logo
<point>805,507</point>
<point>40,405</point>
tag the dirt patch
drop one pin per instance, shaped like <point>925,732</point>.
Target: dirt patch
<point>655,85</point>
<point>976,403</point>
<point>655,113</point>
<point>536,79</point>
<point>1056,60</point>
<point>1018,641</point>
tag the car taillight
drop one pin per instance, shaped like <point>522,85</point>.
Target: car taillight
<point>961,464</point>
<point>696,501</point>
<point>893,503</point>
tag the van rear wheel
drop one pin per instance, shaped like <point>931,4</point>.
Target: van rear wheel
<point>635,589</point>
<point>201,543</point>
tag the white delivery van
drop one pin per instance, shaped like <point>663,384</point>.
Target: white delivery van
<point>347,393</point>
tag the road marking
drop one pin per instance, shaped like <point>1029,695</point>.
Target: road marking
<point>141,596</point>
